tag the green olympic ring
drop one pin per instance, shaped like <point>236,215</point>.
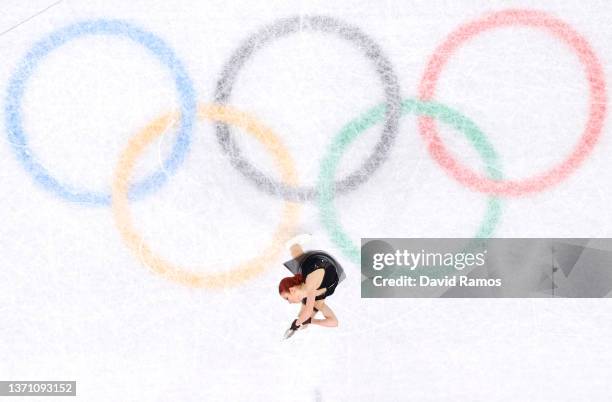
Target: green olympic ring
<point>353,129</point>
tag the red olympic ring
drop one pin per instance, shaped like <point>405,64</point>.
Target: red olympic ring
<point>597,100</point>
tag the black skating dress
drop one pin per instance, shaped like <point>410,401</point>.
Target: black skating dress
<point>309,262</point>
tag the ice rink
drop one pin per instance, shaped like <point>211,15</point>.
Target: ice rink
<point>157,154</point>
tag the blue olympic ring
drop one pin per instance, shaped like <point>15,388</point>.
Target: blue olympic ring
<point>161,50</point>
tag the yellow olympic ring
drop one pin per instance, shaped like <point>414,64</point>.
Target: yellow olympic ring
<point>123,220</point>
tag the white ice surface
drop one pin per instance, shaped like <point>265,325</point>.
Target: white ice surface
<point>76,304</point>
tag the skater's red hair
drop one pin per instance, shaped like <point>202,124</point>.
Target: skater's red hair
<point>289,282</point>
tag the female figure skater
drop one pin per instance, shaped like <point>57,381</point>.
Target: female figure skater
<point>316,275</point>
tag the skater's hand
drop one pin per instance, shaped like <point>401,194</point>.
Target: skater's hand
<point>294,325</point>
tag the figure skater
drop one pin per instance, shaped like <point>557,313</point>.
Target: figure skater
<point>316,276</point>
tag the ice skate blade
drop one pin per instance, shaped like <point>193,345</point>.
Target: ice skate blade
<point>288,333</point>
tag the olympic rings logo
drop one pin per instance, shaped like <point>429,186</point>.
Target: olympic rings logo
<point>389,112</point>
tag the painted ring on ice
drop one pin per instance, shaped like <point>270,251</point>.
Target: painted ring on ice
<point>592,130</point>
<point>353,129</point>
<point>17,85</point>
<point>298,24</point>
<point>244,271</point>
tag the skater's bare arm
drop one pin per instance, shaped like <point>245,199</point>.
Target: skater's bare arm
<point>313,281</point>
<point>307,309</point>
<point>312,312</point>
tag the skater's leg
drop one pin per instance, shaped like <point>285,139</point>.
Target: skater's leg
<point>296,243</point>
<point>296,250</point>
<point>330,319</point>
